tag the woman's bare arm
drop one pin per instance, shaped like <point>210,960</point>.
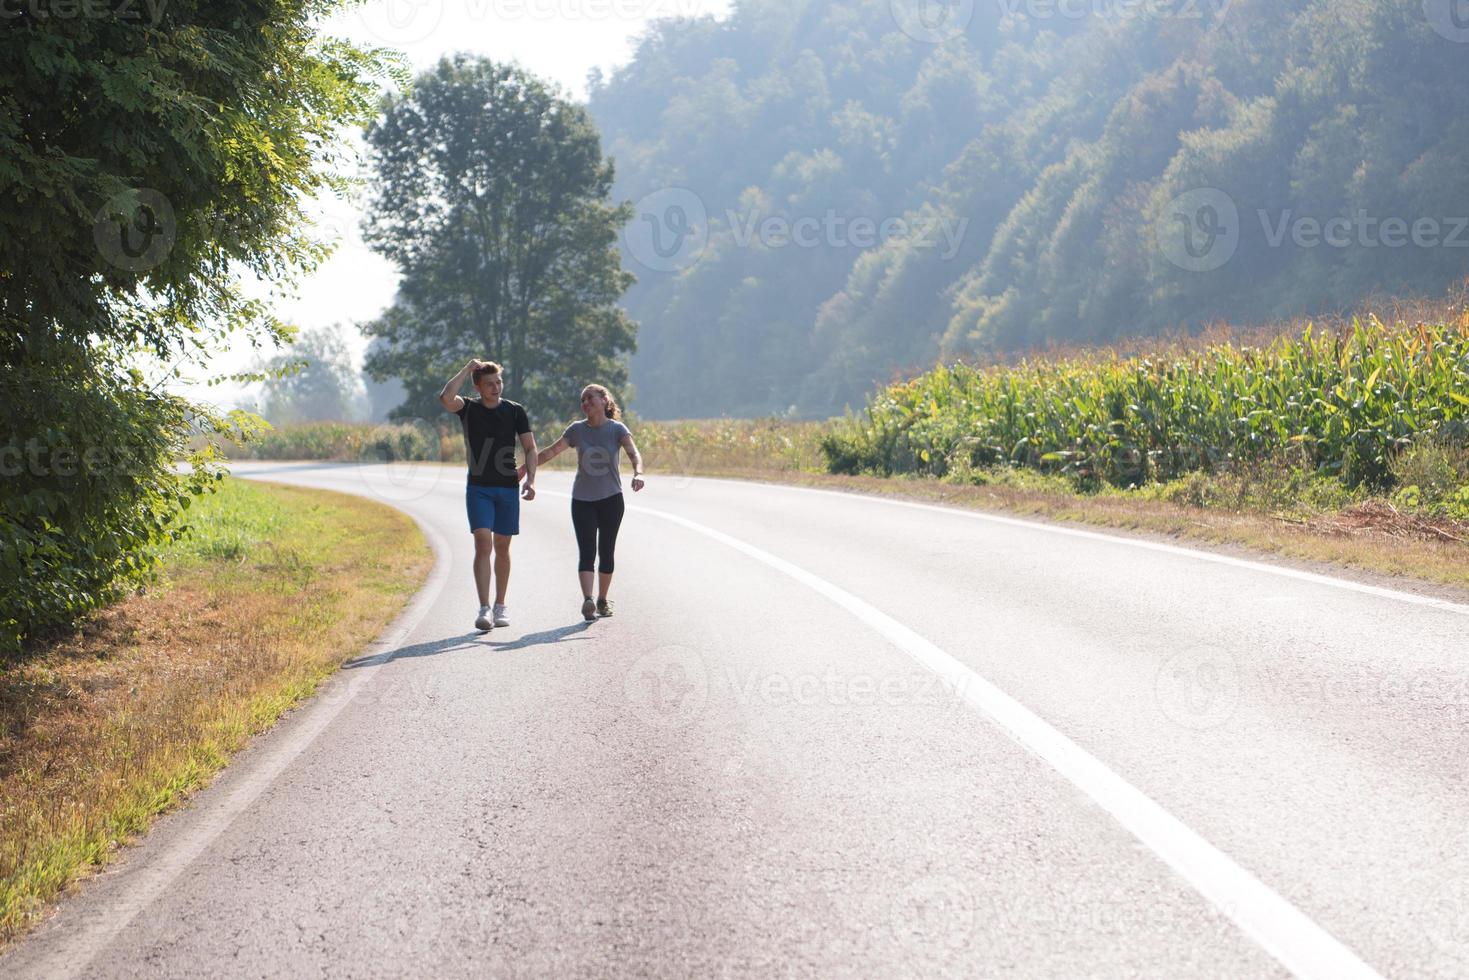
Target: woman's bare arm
<point>637,462</point>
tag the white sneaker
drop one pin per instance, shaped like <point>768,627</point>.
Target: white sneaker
<point>482,621</point>
<point>500,618</point>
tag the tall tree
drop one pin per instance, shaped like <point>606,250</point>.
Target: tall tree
<point>150,154</point>
<point>494,200</point>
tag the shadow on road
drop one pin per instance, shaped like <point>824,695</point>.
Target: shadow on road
<point>544,638</point>
<point>467,641</point>
<point>431,649</point>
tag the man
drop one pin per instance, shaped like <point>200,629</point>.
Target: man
<point>492,426</point>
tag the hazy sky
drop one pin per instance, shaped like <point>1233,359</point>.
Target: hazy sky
<point>561,40</point>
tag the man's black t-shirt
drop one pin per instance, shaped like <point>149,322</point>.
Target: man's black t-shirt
<point>490,438</point>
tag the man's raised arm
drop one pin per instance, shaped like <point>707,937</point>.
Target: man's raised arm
<point>449,397</point>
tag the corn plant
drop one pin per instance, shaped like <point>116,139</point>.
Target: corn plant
<point>1345,402</point>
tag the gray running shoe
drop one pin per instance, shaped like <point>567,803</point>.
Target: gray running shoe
<point>589,610</point>
<point>604,608</point>
<point>482,622</point>
<point>500,618</point>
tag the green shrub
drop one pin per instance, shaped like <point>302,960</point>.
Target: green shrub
<point>308,440</point>
<point>1280,485</point>
<point>962,471</point>
<point>92,488</point>
<point>400,442</point>
<point>1433,476</point>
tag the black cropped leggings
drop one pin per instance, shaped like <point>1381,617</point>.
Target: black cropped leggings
<point>594,520</point>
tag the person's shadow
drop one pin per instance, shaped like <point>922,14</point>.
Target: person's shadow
<point>467,641</point>
<point>544,638</point>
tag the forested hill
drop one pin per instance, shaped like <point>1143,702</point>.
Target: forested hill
<point>996,174</point>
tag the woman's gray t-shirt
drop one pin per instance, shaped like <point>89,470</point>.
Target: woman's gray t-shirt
<point>597,448</point>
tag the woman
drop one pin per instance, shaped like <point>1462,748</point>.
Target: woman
<point>596,495</point>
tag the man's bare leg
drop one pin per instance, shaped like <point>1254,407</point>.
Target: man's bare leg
<point>502,567</point>
<point>484,552</point>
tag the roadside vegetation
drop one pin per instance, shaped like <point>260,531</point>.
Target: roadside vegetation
<point>125,264</point>
<point>106,726</point>
<point>708,447</point>
<point>388,442</point>
<point>1344,443</point>
<point>1341,405</point>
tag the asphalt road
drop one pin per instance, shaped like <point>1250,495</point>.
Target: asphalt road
<point>828,735</point>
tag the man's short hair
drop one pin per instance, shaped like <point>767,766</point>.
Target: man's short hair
<point>490,367</point>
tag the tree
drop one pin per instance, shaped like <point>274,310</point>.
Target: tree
<point>383,397</point>
<point>149,157</point>
<point>315,380</point>
<point>493,199</point>
<point>145,163</point>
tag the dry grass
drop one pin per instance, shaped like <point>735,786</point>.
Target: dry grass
<point>102,730</point>
<point>1381,518</point>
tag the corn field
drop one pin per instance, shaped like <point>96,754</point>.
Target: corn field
<point>1343,401</point>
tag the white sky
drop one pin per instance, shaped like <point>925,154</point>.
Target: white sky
<point>561,40</point>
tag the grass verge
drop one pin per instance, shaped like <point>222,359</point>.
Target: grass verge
<point>102,730</point>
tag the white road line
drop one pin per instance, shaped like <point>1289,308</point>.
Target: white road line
<point>1156,546</point>
<point>82,945</point>
<point>1282,930</point>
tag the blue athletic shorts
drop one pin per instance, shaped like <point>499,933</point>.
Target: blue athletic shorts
<point>494,508</point>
